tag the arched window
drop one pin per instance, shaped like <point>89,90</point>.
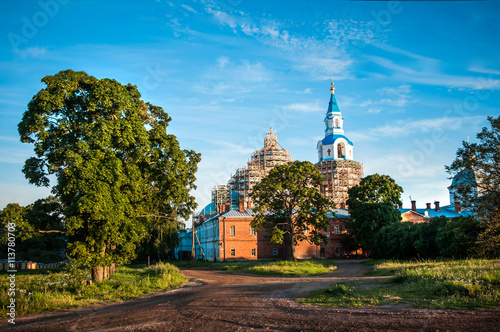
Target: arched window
<point>340,150</point>
<point>337,123</point>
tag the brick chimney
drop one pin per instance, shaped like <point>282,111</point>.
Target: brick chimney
<point>249,205</point>
<point>221,209</point>
<point>227,207</point>
<point>436,203</point>
<point>428,205</point>
<point>414,206</point>
<point>241,205</point>
<point>458,209</point>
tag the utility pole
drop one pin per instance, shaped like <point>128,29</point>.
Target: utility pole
<point>193,254</point>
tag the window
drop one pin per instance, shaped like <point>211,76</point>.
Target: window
<point>252,231</point>
<point>233,252</point>
<point>336,229</point>
<point>254,252</point>
<point>340,150</point>
<point>232,230</point>
<point>275,251</point>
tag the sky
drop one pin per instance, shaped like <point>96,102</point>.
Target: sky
<point>413,79</point>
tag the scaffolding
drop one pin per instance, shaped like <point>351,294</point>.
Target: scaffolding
<point>338,177</point>
<point>261,162</point>
<point>221,196</point>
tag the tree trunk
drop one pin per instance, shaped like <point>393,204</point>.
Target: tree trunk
<point>292,248</point>
<point>97,274</point>
<point>112,269</point>
<point>106,272</point>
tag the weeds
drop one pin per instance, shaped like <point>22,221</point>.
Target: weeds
<point>453,284</point>
<point>48,290</point>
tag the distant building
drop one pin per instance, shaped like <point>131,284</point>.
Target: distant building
<point>336,162</point>
<point>223,230</point>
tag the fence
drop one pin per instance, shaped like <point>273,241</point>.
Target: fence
<point>24,265</point>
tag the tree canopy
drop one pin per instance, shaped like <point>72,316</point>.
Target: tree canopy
<point>289,206</point>
<point>373,204</point>
<point>478,166</point>
<point>115,166</point>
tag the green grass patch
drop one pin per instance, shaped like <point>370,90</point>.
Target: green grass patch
<point>48,290</point>
<point>453,284</point>
<point>300,268</point>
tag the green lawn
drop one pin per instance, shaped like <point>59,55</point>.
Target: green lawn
<point>301,268</point>
<point>453,284</point>
<point>48,290</point>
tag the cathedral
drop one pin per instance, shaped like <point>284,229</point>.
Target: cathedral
<point>336,157</point>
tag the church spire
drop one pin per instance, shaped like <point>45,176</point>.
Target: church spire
<point>332,89</point>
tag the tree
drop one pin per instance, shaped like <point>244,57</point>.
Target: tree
<point>115,165</point>
<point>289,206</point>
<point>372,205</point>
<point>40,235</point>
<point>458,237</point>
<point>478,167</point>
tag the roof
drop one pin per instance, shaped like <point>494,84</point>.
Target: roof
<point>340,214</point>
<point>464,176</point>
<point>447,211</point>
<point>209,210</point>
<point>248,213</point>
<point>330,139</point>
<point>332,105</point>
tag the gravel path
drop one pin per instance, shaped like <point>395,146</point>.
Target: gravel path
<point>226,301</point>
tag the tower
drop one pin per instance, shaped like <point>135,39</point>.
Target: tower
<point>336,161</point>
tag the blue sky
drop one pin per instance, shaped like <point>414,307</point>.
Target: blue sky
<point>413,79</point>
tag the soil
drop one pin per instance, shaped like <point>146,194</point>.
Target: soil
<point>228,301</point>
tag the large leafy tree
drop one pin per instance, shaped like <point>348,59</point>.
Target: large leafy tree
<point>373,204</point>
<point>289,206</point>
<point>478,167</point>
<point>115,166</point>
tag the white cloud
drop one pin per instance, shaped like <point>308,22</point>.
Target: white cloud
<point>320,57</point>
<point>304,107</point>
<point>31,52</point>
<point>240,77</point>
<point>188,8</point>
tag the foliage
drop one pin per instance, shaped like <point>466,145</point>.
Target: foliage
<point>455,284</point>
<point>373,204</point>
<point>39,230</point>
<point>440,237</point>
<point>396,240</point>
<point>115,165</point>
<point>426,233</point>
<point>458,237</point>
<point>478,167</point>
<point>289,206</point>
<point>48,290</point>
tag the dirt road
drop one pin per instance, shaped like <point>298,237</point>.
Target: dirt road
<point>224,301</point>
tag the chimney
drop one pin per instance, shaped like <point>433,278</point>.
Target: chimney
<point>242,205</point>
<point>428,205</point>
<point>414,206</point>
<point>227,207</point>
<point>457,207</point>
<point>221,209</point>
<point>249,204</point>
<point>436,203</point>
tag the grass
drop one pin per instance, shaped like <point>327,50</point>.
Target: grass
<point>48,290</point>
<point>300,268</point>
<point>454,284</point>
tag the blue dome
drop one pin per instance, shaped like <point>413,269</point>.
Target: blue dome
<point>330,139</point>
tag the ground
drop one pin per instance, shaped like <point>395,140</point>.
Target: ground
<point>228,301</point>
